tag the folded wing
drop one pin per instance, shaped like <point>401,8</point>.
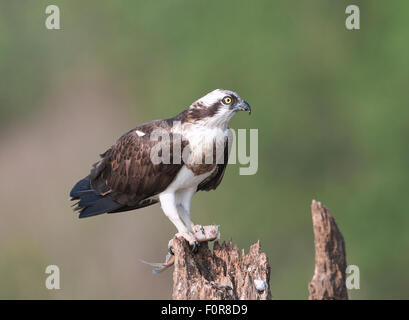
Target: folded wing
<point>125,178</point>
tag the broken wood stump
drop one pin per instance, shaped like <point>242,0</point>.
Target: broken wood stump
<point>227,274</point>
<point>221,274</point>
<point>329,279</point>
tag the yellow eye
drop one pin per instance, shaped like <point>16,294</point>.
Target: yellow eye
<point>227,100</point>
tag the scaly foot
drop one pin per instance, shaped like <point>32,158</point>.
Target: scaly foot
<point>189,237</point>
<point>206,233</point>
<point>198,228</point>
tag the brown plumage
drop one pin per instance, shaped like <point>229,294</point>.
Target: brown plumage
<point>126,178</point>
<point>213,181</point>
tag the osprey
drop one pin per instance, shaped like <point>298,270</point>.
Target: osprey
<point>129,175</point>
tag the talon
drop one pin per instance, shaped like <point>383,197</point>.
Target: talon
<point>170,251</point>
<point>195,246</point>
<point>170,246</point>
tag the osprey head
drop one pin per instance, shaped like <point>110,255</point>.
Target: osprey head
<point>217,107</point>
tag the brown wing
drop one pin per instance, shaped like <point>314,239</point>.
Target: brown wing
<point>213,181</point>
<point>126,172</point>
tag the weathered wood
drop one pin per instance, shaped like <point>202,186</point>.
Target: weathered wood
<point>223,274</point>
<point>328,281</point>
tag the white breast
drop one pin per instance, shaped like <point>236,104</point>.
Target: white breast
<point>185,179</point>
<point>203,140</point>
<point>199,137</point>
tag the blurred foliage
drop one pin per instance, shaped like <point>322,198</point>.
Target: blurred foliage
<point>331,107</point>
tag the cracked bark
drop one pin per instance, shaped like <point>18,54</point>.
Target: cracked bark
<point>227,274</point>
<point>328,281</point>
<point>221,274</point>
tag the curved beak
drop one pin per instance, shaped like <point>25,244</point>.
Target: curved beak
<point>244,106</point>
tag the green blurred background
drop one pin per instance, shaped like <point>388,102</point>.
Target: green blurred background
<point>331,107</point>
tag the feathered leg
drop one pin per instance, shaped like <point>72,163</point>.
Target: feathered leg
<point>183,200</point>
<point>169,207</point>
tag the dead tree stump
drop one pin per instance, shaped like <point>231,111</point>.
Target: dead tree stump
<point>328,282</point>
<point>223,274</point>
